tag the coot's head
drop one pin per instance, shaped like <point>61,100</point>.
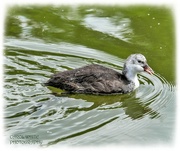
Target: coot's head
<point>136,63</point>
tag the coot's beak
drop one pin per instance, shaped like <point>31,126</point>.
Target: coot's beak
<point>148,69</point>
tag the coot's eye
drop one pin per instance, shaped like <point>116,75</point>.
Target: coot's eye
<point>139,61</point>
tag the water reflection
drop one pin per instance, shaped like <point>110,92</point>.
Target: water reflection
<point>117,27</point>
<point>132,106</point>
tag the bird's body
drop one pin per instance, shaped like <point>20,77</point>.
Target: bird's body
<point>97,79</point>
<point>91,79</point>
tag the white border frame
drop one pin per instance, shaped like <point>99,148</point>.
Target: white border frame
<point>4,4</point>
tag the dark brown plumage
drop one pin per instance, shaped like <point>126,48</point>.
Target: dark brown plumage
<point>92,79</point>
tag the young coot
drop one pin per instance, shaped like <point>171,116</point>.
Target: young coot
<point>97,79</point>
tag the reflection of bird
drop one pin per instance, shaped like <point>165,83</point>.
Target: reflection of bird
<point>97,79</point>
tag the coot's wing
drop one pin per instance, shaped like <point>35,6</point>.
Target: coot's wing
<point>77,79</point>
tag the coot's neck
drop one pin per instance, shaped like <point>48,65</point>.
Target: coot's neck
<point>131,75</point>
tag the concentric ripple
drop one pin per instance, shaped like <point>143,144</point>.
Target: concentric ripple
<point>32,108</point>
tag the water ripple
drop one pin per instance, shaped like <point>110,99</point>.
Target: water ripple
<point>31,107</point>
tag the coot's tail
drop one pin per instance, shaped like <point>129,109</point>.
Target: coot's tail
<point>45,84</point>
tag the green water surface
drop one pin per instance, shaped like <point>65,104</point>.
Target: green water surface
<point>41,40</point>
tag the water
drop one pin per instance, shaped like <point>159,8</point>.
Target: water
<point>43,40</point>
